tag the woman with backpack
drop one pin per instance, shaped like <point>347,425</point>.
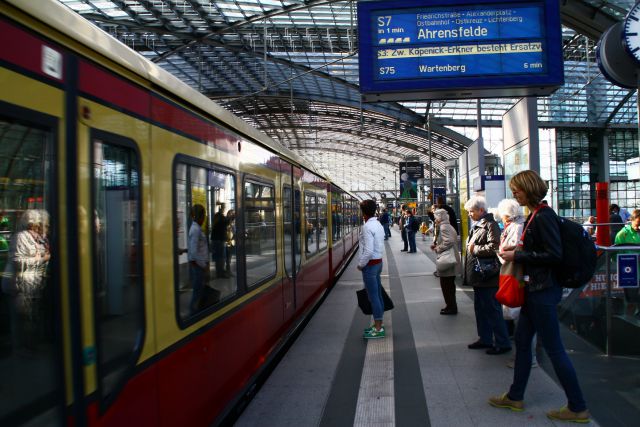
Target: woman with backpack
<point>540,252</point>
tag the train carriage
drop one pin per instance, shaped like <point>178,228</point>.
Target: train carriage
<point>104,157</point>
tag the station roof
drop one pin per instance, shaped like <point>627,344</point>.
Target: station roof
<point>290,68</point>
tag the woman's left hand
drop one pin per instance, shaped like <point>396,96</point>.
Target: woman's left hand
<point>508,255</point>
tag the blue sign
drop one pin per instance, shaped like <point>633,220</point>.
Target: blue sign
<point>627,270</point>
<point>446,49</point>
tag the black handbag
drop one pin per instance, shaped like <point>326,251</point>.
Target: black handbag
<point>486,268</point>
<point>365,304</point>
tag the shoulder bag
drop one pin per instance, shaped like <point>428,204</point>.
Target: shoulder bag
<point>365,304</point>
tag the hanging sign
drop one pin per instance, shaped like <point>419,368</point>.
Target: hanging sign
<point>445,49</point>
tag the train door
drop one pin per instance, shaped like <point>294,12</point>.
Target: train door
<point>35,384</point>
<point>292,238</point>
<point>32,375</point>
<point>113,216</point>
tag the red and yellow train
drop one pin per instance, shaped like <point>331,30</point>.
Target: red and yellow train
<point>103,155</point>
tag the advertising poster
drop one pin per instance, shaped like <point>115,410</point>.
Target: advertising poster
<point>410,172</point>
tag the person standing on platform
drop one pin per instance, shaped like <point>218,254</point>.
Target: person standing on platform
<point>219,240</point>
<point>511,215</point>
<point>412,226</point>
<point>453,220</point>
<point>198,255</point>
<point>614,218</point>
<point>370,263</point>
<point>590,228</point>
<point>447,239</point>
<point>630,235</point>
<point>385,220</point>
<point>402,224</point>
<point>482,247</point>
<point>540,254</point>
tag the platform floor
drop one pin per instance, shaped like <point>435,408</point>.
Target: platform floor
<point>421,374</point>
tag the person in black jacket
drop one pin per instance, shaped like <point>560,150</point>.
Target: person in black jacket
<point>453,220</point>
<point>482,245</point>
<point>540,253</point>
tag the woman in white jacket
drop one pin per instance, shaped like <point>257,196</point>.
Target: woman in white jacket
<point>511,214</point>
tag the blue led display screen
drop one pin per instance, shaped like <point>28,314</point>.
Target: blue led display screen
<point>418,45</point>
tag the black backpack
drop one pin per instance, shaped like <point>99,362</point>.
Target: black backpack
<point>415,225</point>
<point>578,255</point>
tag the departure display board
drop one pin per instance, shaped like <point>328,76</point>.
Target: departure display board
<point>445,49</point>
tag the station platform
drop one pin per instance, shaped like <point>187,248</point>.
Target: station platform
<point>421,374</point>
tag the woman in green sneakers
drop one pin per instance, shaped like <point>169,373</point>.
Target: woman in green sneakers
<point>370,263</point>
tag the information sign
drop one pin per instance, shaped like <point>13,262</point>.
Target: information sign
<point>445,49</point>
<point>627,270</point>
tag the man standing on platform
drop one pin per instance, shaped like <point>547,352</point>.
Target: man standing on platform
<point>370,263</point>
<point>385,219</point>
<point>402,223</point>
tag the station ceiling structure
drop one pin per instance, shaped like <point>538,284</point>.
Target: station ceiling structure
<point>290,68</point>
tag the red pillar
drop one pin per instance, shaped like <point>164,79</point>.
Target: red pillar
<point>602,212</point>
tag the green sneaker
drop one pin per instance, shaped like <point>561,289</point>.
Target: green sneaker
<point>371,327</point>
<point>373,333</point>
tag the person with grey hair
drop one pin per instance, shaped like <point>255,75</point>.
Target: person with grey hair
<point>24,279</point>
<point>482,246</point>
<point>511,213</point>
<point>446,239</point>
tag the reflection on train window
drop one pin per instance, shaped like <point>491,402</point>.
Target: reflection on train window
<point>205,226</point>
<point>260,231</point>
<point>296,228</point>
<point>118,281</point>
<point>336,217</point>
<point>311,224</point>
<point>27,301</point>
<point>291,221</point>
<point>287,222</point>
<point>321,230</point>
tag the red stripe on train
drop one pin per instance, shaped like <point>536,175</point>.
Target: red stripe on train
<point>26,51</point>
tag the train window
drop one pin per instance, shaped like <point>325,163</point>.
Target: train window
<point>336,217</point>
<point>296,229</point>
<point>311,224</point>
<point>288,226</point>
<point>205,238</point>
<point>29,295</point>
<point>347,214</point>
<point>118,281</point>
<point>260,231</point>
<point>321,230</point>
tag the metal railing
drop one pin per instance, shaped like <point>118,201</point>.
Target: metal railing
<point>604,314</point>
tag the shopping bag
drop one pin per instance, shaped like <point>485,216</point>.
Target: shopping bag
<point>511,285</point>
<point>446,260</point>
<point>365,304</point>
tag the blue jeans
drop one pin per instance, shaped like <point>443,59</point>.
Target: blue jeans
<point>196,276</point>
<point>373,284</point>
<point>489,320</point>
<point>411,236</point>
<point>387,233</point>
<point>538,314</point>
<point>403,234</point>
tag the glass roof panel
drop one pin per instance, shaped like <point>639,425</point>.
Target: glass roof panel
<point>306,93</point>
